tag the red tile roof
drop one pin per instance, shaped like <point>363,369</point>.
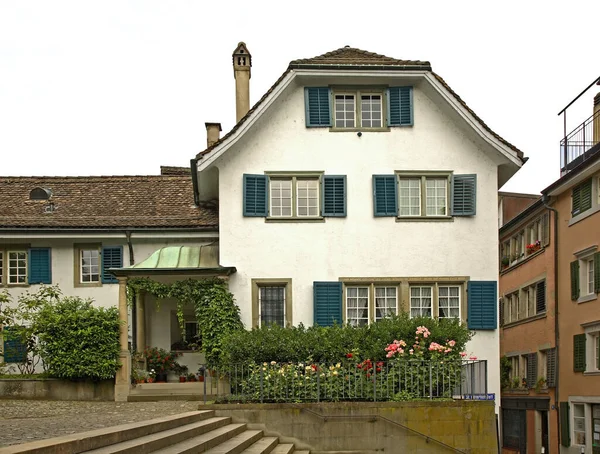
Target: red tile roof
<point>163,202</point>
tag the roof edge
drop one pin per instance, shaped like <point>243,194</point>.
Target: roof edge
<point>522,215</point>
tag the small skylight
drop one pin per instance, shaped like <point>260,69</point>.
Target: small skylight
<point>40,194</point>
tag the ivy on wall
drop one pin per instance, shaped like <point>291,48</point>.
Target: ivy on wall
<point>214,307</point>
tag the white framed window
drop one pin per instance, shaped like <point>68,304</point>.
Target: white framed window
<point>345,111</point>
<point>410,196</point>
<point>271,305</point>
<point>530,293</point>
<point>281,197</point>
<point>514,370</point>
<point>436,196</point>
<point>590,276</point>
<point>371,110</point>
<point>386,302</point>
<point>357,306</point>
<point>579,424</point>
<point>423,195</point>
<point>514,307</point>
<point>421,301</point>
<point>89,266</point>
<point>307,193</point>
<point>597,351</point>
<point>449,301</point>
<point>17,267</point>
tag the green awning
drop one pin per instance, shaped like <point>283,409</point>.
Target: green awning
<point>179,260</point>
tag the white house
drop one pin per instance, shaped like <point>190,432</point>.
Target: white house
<point>357,186</point>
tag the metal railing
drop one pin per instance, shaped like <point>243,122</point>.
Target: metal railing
<point>376,381</point>
<point>574,147</point>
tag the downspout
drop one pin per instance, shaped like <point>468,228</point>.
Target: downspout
<point>134,305</point>
<point>545,200</point>
<point>194,169</point>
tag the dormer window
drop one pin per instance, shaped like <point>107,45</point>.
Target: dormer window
<point>40,194</point>
<point>368,113</point>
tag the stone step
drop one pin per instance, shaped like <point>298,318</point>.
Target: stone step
<point>204,442</point>
<point>86,441</point>
<point>238,443</point>
<point>263,446</point>
<point>155,441</point>
<point>284,448</point>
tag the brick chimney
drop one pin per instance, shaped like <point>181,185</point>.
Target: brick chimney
<point>596,119</point>
<point>242,61</point>
<point>212,133</point>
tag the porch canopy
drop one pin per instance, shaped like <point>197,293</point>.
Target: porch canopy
<point>167,262</point>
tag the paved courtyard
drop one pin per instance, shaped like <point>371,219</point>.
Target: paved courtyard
<point>23,421</point>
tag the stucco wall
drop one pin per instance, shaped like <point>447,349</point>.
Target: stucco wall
<point>369,427</point>
<point>359,245</point>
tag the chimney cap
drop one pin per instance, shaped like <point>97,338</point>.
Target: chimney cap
<point>208,124</point>
<point>241,49</point>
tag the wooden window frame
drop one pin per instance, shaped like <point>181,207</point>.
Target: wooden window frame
<point>9,267</point>
<point>424,176</point>
<point>385,287</point>
<point>5,250</point>
<point>77,249</point>
<point>272,282</point>
<point>573,438</point>
<point>294,177</point>
<point>358,93</point>
<point>459,300</point>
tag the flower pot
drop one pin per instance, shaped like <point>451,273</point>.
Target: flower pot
<point>150,380</point>
<point>201,378</point>
<point>181,379</point>
<point>140,380</point>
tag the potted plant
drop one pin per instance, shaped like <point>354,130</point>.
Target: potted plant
<point>533,247</point>
<point>505,261</point>
<point>191,377</point>
<point>139,376</point>
<point>183,372</point>
<point>161,361</point>
<point>151,376</point>
<point>516,382</point>
<point>200,373</point>
<point>540,384</point>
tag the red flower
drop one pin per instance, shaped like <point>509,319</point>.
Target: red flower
<point>349,355</point>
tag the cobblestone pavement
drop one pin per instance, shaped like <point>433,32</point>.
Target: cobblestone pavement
<point>23,421</point>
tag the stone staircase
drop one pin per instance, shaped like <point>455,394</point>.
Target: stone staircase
<point>186,433</point>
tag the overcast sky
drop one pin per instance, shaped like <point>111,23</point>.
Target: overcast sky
<point>122,87</point>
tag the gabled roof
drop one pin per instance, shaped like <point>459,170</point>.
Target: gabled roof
<point>350,58</point>
<point>108,202</point>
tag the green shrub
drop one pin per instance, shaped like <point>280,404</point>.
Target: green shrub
<point>331,344</point>
<point>78,340</point>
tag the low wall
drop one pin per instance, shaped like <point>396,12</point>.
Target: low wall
<point>415,427</point>
<point>55,389</point>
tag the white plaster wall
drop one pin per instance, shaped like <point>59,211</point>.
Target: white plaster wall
<point>359,245</point>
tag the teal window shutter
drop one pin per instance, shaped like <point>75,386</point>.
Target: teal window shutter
<point>575,280</point>
<point>327,303</point>
<point>579,353</point>
<point>400,106</point>
<point>597,272</point>
<point>565,432</point>
<point>482,303</point>
<point>15,351</point>
<point>385,195</point>
<point>464,195</point>
<point>334,195</point>
<point>582,198</point>
<point>40,265</point>
<point>317,101</point>
<point>112,257</point>
<point>255,195</point>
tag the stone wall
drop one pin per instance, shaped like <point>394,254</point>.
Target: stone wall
<point>415,427</point>
<point>54,389</point>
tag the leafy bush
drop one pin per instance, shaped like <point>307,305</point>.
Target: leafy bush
<point>78,340</point>
<point>331,344</point>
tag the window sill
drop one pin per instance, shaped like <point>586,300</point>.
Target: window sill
<point>585,214</point>
<point>525,320</point>
<point>525,259</point>
<point>424,219</point>
<point>592,372</point>
<point>587,298</point>
<point>14,285</point>
<point>334,129</point>
<point>296,219</point>
<point>94,284</point>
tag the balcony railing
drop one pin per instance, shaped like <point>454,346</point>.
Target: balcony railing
<point>580,143</point>
<point>376,381</point>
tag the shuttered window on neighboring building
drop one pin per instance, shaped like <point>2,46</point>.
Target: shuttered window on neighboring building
<point>40,265</point>
<point>565,438</point>
<point>327,303</point>
<point>112,257</point>
<point>551,368</point>
<point>581,198</point>
<point>597,272</point>
<point>532,367</point>
<point>579,353</point>
<point>540,297</point>
<point>575,280</point>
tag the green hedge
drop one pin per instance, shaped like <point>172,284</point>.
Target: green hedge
<point>330,344</point>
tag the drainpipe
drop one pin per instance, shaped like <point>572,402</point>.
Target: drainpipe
<point>194,169</point>
<point>133,307</point>
<point>545,200</point>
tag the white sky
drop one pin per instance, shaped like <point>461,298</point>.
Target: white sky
<point>121,87</point>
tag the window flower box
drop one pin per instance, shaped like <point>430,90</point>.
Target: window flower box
<point>533,247</point>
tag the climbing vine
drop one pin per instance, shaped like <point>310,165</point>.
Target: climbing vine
<point>214,307</point>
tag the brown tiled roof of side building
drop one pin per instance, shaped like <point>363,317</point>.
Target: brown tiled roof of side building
<point>172,170</point>
<point>164,202</point>
<point>351,58</point>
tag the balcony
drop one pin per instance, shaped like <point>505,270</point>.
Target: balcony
<point>580,144</point>
<point>583,141</point>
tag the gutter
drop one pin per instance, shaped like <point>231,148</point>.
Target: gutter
<point>134,329</point>
<point>545,200</point>
<point>194,169</point>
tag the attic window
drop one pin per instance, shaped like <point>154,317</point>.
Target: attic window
<point>40,194</point>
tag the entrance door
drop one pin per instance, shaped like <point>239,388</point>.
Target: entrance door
<point>545,443</point>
